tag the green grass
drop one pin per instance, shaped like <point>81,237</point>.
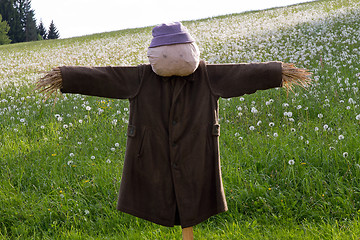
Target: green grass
<point>60,165</point>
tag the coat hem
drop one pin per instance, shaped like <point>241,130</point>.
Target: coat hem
<point>165,223</point>
<point>145,217</point>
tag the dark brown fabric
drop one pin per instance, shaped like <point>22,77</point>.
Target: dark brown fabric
<point>172,169</point>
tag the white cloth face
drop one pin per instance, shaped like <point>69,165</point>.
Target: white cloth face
<point>174,60</point>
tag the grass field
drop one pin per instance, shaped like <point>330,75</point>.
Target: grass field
<point>290,164</point>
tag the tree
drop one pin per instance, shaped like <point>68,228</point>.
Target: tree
<point>4,29</point>
<point>21,19</point>
<point>31,33</point>
<point>12,16</point>
<point>53,32</point>
<point>42,30</point>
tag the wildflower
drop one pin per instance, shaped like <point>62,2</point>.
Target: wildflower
<point>80,121</point>
<point>108,161</point>
<point>269,188</point>
<point>299,107</point>
<point>54,154</point>
<point>271,124</point>
<point>345,154</point>
<point>285,105</point>
<point>112,149</point>
<point>88,108</point>
<point>86,212</point>
<point>358,117</point>
<point>65,126</point>
<point>341,137</point>
<point>293,129</point>
<point>239,108</point>
<point>276,135</point>
<point>316,129</point>
<point>331,148</point>
<point>291,162</point>
<point>242,99</point>
<point>254,110</point>
<point>117,144</point>
<point>22,120</point>
<point>252,128</point>
<point>79,143</point>
<point>69,163</point>
<point>258,123</point>
<point>92,157</point>
<point>320,115</point>
<point>326,127</point>
<point>42,126</point>
<point>71,154</point>
<point>59,119</point>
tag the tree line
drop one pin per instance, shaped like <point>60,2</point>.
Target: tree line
<point>18,23</point>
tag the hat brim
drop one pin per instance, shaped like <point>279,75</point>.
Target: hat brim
<point>171,39</point>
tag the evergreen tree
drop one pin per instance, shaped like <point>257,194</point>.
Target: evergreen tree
<point>12,16</point>
<point>42,30</point>
<point>31,33</point>
<point>4,29</point>
<point>53,32</point>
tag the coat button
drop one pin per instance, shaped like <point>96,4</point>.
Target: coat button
<point>174,122</point>
<point>174,165</point>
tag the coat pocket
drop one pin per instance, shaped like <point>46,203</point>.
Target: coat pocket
<point>216,130</point>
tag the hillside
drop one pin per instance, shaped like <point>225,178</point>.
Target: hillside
<point>290,162</point>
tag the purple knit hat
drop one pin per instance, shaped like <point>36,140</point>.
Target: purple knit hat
<point>171,33</point>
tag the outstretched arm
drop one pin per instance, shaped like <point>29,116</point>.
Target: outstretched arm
<point>111,82</point>
<point>233,80</point>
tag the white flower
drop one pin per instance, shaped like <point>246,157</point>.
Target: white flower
<point>108,161</point>
<point>358,117</point>
<point>288,114</point>
<point>117,144</point>
<point>254,110</point>
<point>326,127</point>
<point>86,212</point>
<point>299,107</point>
<point>341,137</point>
<point>22,120</point>
<point>271,124</point>
<point>276,135</point>
<point>65,126</point>
<point>291,162</point>
<point>348,108</point>
<point>252,128</point>
<point>92,157</point>
<point>239,108</point>
<point>316,129</point>
<point>42,126</point>
<point>70,163</point>
<point>345,154</point>
<point>80,121</point>
<point>79,143</point>
<point>242,99</point>
<point>112,149</point>
<point>71,154</point>
<point>320,115</point>
<point>258,123</point>
<point>88,108</point>
<point>293,129</point>
<point>285,105</point>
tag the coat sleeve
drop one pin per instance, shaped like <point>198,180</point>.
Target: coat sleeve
<point>233,80</point>
<point>111,82</point>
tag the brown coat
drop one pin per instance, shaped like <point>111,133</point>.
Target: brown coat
<point>172,171</point>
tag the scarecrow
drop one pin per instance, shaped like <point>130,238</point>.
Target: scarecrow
<point>172,174</point>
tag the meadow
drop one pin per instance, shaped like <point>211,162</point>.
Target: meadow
<point>290,161</point>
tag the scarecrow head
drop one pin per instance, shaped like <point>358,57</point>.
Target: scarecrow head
<point>173,52</point>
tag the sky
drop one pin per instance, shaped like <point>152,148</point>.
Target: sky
<point>83,17</point>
